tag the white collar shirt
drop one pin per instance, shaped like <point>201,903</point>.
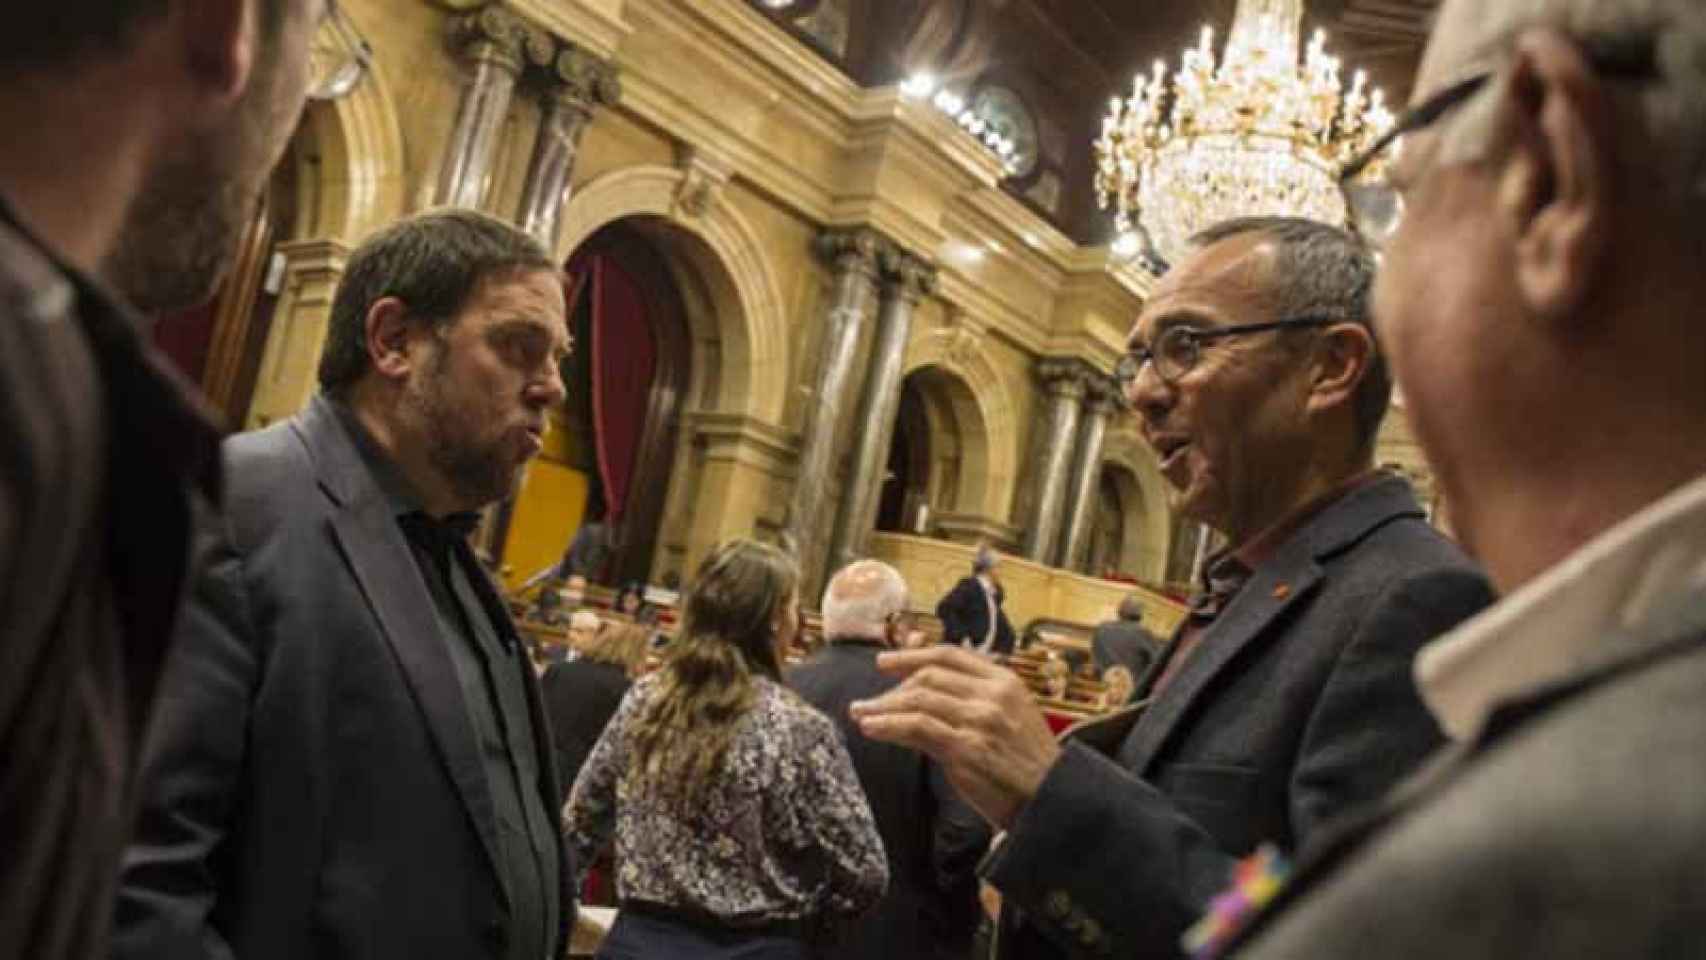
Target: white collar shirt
<point>1556,625</point>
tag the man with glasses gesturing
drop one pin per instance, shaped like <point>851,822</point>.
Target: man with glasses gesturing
<point>1285,698</point>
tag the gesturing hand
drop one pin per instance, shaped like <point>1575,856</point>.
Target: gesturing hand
<point>974,717</point>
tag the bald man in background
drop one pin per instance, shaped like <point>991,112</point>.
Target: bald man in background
<point>932,838</point>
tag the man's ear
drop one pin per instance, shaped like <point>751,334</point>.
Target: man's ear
<point>1343,357</point>
<point>1556,172</point>
<point>217,39</point>
<point>387,332</point>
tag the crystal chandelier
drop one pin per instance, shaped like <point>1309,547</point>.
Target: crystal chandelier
<point>1254,135</point>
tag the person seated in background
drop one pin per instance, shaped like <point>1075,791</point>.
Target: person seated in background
<point>739,824</point>
<point>630,602</point>
<point>971,612</point>
<point>933,840</point>
<point>1118,687</point>
<point>582,693</point>
<point>1123,641</point>
<point>589,550</point>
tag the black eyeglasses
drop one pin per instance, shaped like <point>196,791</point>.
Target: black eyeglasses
<point>1374,206</point>
<point>1178,349</point>
<point>340,56</point>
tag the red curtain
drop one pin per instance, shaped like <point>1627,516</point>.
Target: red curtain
<point>186,337</point>
<point>624,359</point>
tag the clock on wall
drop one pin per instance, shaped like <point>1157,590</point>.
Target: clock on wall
<point>1005,110</point>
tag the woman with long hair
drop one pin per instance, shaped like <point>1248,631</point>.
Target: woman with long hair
<point>740,826</point>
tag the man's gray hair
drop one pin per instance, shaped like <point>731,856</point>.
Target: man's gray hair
<point>1475,35</point>
<point>1322,271</point>
<point>1131,608</point>
<point>861,598</point>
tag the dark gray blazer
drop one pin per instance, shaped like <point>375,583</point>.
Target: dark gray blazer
<point>1572,827</point>
<point>1297,705</point>
<point>312,784</point>
<point>933,840</point>
<point>964,612</point>
<point>1125,644</point>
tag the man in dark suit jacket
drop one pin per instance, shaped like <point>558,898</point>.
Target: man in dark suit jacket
<point>965,611</point>
<point>1286,697</point>
<point>1122,642</point>
<point>137,142</point>
<point>1566,820</point>
<point>932,838</point>
<point>581,694</point>
<point>351,759</point>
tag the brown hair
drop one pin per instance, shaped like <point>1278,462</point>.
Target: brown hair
<point>433,262</point>
<point>706,684</point>
<point>622,644</point>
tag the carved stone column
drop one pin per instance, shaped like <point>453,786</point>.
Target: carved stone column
<point>1103,400</point>
<point>576,83</point>
<point>490,42</point>
<point>853,256</point>
<point>1064,381</point>
<point>906,281</point>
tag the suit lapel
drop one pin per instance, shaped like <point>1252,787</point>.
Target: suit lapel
<point>1245,622</point>
<point>1286,580</point>
<point>1677,630</point>
<point>379,558</point>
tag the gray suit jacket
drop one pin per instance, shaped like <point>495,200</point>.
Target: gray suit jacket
<point>1573,827</point>
<point>1125,644</point>
<point>1297,705</point>
<point>312,784</point>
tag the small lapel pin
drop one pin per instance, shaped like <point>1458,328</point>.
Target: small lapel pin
<point>1282,590</point>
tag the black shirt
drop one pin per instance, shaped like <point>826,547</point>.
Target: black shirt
<point>489,665</point>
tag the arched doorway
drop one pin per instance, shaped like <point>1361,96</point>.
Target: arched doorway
<point>1119,523</point>
<point>905,503</point>
<point>616,434</point>
<point>938,459</point>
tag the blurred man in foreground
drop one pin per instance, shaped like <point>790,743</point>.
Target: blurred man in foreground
<point>1541,299</point>
<point>138,138</point>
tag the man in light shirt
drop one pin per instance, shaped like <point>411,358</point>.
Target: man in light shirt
<point>1540,300</point>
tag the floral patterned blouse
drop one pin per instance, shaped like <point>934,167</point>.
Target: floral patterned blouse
<point>785,834</point>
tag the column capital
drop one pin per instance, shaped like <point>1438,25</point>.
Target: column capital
<point>1065,376</point>
<point>908,276</point>
<point>1106,395</point>
<point>492,33</point>
<point>579,79</point>
<point>855,250</point>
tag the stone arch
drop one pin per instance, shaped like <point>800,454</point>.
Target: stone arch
<point>987,433</point>
<point>1148,533</point>
<point>743,298</point>
<point>354,181</point>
